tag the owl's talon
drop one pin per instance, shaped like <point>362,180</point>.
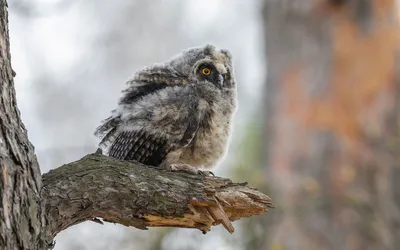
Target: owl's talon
<point>206,173</point>
<point>99,151</point>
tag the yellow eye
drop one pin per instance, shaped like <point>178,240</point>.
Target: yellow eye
<point>206,71</point>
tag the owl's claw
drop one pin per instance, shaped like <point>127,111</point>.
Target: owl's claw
<point>185,168</point>
<point>206,173</point>
<point>189,169</point>
<point>98,151</point>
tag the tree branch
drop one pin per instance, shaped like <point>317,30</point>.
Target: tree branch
<point>132,194</point>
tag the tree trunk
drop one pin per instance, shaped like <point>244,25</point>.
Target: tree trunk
<point>333,123</point>
<point>32,212</point>
<point>21,217</point>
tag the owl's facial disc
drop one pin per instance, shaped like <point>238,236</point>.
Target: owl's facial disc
<point>210,72</point>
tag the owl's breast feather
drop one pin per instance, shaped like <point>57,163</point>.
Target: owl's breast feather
<point>210,142</point>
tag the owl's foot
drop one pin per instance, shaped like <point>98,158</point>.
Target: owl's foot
<point>206,173</point>
<point>183,167</point>
<point>189,169</point>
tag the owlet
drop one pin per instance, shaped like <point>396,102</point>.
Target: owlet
<point>176,115</point>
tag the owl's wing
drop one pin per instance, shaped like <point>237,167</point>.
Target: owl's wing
<point>140,146</point>
<point>149,81</point>
<point>136,90</point>
<point>151,142</point>
<point>149,148</point>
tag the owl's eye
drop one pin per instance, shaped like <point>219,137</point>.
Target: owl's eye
<point>206,71</point>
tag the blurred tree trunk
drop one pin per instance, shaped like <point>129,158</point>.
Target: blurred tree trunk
<point>20,209</point>
<point>333,118</point>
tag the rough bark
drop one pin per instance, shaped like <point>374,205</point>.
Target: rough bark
<point>20,207</point>
<point>333,130</point>
<point>135,195</point>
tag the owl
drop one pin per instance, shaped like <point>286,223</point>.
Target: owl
<point>175,115</point>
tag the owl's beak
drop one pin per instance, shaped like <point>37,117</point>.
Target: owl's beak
<point>220,81</point>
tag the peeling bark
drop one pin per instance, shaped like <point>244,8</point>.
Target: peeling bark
<point>136,195</point>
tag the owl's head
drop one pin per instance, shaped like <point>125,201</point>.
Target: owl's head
<point>193,65</point>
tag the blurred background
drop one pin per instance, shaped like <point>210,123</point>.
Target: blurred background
<point>318,132</point>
